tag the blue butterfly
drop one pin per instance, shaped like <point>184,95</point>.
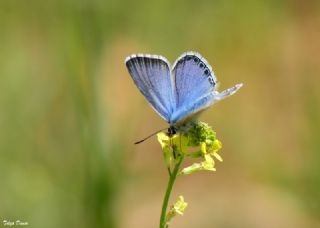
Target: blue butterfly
<point>180,92</point>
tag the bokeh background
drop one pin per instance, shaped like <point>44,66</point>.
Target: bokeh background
<point>70,113</point>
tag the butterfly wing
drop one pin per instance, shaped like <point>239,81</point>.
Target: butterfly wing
<point>193,108</point>
<point>151,74</point>
<point>193,78</point>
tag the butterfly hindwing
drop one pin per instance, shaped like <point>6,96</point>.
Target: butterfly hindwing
<point>193,108</point>
<point>151,74</point>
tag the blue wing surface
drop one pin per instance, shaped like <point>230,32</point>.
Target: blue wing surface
<point>152,76</point>
<point>188,111</point>
<point>193,78</point>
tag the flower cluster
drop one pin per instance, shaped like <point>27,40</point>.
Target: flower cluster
<point>199,141</point>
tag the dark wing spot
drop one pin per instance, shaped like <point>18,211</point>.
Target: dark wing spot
<point>201,65</point>
<point>206,72</point>
<point>196,60</point>
<point>211,81</point>
<point>188,57</point>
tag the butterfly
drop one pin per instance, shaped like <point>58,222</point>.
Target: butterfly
<point>178,93</point>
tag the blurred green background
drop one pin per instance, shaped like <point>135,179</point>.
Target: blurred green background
<point>70,113</point>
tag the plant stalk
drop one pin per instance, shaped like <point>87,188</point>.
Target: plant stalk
<point>172,179</point>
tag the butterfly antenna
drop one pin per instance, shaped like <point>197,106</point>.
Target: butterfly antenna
<point>149,136</point>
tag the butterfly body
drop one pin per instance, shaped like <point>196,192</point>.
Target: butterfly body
<point>178,93</point>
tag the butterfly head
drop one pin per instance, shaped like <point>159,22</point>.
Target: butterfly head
<point>172,130</point>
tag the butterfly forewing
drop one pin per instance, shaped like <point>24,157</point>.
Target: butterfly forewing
<point>193,78</point>
<point>151,74</point>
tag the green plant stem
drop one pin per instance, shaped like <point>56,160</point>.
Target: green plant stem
<point>172,179</point>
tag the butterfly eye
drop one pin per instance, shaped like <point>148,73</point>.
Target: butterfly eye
<point>201,65</point>
<point>196,60</point>
<point>206,72</point>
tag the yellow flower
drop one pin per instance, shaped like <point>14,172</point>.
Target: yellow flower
<point>178,208</point>
<point>208,163</point>
<point>214,149</point>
